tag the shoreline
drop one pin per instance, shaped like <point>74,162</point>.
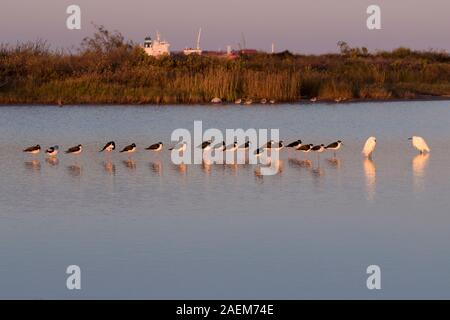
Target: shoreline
<point>226,104</point>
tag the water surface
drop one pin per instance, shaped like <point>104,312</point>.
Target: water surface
<point>141,227</point>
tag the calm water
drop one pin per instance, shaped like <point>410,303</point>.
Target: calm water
<point>141,227</point>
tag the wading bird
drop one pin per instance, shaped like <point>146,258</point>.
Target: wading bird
<point>420,144</point>
<point>52,151</point>
<point>305,148</point>
<point>272,145</point>
<point>232,147</point>
<point>75,150</point>
<point>129,149</point>
<point>206,145</point>
<point>110,146</point>
<point>296,144</point>
<point>33,150</point>
<point>259,152</point>
<point>334,146</point>
<point>220,146</point>
<point>155,147</point>
<point>179,147</point>
<point>319,149</point>
<point>369,147</point>
<point>245,146</point>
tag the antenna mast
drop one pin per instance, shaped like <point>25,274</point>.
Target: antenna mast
<point>243,41</point>
<point>198,38</point>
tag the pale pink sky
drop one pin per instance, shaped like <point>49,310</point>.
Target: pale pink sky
<point>308,26</point>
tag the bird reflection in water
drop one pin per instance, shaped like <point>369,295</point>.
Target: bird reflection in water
<point>52,161</point>
<point>419,166</point>
<point>130,164</point>
<point>206,167</point>
<point>156,167</point>
<point>232,167</point>
<point>109,167</point>
<point>334,162</point>
<point>33,165</point>
<point>370,173</point>
<point>74,170</point>
<point>180,168</point>
<point>301,163</point>
<point>317,172</point>
<point>271,168</point>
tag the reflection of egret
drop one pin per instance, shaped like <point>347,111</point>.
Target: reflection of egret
<point>109,167</point>
<point>369,147</point>
<point>74,170</point>
<point>53,161</point>
<point>419,165</point>
<point>34,165</point>
<point>420,144</point>
<point>370,173</point>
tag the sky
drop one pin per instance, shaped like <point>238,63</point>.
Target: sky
<point>303,26</point>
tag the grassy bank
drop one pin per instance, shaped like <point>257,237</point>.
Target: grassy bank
<point>108,69</point>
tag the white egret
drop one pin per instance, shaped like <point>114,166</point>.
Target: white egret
<point>369,147</point>
<point>420,144</point>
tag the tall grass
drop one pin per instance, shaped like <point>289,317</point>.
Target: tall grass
<point>107,69</point>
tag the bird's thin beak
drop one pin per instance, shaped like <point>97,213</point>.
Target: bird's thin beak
<point>409,138</point>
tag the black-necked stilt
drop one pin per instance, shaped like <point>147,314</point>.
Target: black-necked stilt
<point>272,145</point>
<point>319,149</point>
<point>296,144</point>
<point>33,150</point>
<point>420,144</point>
<point>206,145</point>
<point>52,151</point>
<point>268,144</point>
<point>220,146</point>
<point>305,148</point>
<point>155,147</point>
<point>258,152</point>
<point>369,147</point>
<point>110,146</point>
<point>334,146</point>
<point>179,147</point>
<point>245,146</point>
<point>129,149</point>
<point>232,147</point>
<point>75,150</point>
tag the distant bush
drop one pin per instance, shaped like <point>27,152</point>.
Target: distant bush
<point>108,69</point>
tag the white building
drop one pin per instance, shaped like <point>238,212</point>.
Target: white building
<point>156,47</point>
